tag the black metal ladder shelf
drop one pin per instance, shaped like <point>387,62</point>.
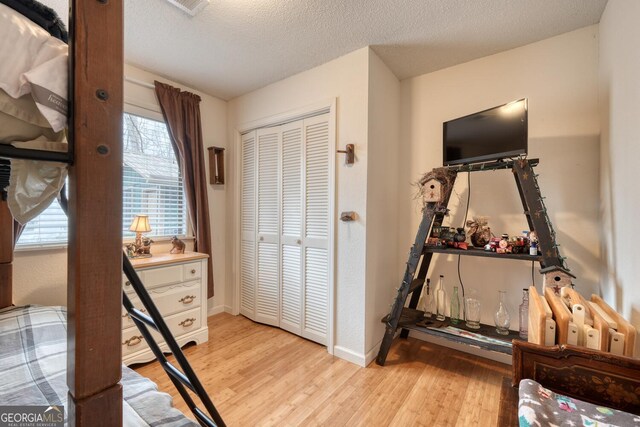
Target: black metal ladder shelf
<point>420,255</point>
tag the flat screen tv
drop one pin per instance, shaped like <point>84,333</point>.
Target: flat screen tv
<point>492,134</point>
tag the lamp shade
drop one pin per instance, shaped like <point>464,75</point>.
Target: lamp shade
<point>140,224</point>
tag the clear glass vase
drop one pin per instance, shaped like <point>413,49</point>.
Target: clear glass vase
<point>455,307</point>
<point>473,312</point>
<point>501,317</point>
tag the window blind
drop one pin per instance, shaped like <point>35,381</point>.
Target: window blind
<point>152,185</point>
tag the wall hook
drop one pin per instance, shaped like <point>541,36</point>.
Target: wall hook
<point>350,152</point>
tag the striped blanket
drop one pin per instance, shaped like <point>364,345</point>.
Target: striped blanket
<point>33,352</point>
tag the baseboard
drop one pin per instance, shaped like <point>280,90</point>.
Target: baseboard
<point>215,310</point>
<point>498,357</point>
<point>349,356</point>
<point>229,309</point>
<point>372,354</point>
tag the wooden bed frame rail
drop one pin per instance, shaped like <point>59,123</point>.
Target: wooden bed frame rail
<point>94,300</point>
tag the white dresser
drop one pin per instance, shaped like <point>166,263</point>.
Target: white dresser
<point>178,286</point>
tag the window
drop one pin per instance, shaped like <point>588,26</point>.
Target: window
<point>152,185</point>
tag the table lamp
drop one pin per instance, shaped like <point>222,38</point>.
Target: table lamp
<point>139,225</point>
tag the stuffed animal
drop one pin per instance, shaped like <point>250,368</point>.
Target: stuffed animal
<point>178,246</point>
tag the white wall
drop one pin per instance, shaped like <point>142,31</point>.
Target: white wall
<point>620,153</point>
<point>40,276</point>
<point>382,200</point>
<point>344,79</point>
<point>559,77</point>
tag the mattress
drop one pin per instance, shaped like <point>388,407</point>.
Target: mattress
<point>33,358</point>
<point>542,407</point>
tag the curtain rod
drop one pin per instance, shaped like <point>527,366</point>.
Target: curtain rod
<point>139,82</point>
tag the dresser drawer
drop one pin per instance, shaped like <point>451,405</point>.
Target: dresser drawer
<point>184,322</point>
<point>126,285</point>
<point>132,341</point>
<point>165,275</point>
<point>126,319</point>
<point>192,271</point>
<point>175,298</point>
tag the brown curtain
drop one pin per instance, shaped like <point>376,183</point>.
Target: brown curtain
<point>181,111</point>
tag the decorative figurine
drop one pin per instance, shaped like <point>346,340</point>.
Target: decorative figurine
<point>479,231</point>
<point>177,246</point>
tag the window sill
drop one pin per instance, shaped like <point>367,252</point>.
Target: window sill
<point>63,246</point>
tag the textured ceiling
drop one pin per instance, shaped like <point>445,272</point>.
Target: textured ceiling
<point>235,46</point>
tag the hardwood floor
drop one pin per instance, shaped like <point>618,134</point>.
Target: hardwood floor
<point>260,375</point>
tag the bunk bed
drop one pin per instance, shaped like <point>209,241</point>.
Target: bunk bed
<point>86,335</point>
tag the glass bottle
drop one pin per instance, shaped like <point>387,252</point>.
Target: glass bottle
<point>454,314</point>
<point>524,315</point>
<point>501,316</point>
<point>427,300</point>
<point>441,300</point>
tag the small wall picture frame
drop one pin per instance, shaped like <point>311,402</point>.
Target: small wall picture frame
<point>216,165</point>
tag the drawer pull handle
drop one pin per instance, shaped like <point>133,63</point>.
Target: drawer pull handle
<point>127,314</point>
<point>135,340</point>
<point>127,283</point>
<point>187,322</point>
<point>193,271</point>
<point>188,299</point>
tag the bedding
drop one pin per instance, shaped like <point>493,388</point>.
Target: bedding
<point>541,407</point>
<point>33,109</point>
<point>33,351</point>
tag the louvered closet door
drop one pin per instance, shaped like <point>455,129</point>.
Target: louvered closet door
<point>248,227</point>
<point>268,289</point>
<point>316,217</point>
<point>291,230</point>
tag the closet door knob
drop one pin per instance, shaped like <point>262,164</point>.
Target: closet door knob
<point>261,238</point>
<point>299,241</point>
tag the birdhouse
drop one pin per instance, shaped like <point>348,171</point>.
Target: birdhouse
<point>432,191</point>
<point>556,277</point>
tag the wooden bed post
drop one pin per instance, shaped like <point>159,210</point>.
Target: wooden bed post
<point>6,255</point>
<point>95,214</point>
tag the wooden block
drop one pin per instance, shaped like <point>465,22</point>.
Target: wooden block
<point>573,334</point>
<point>591,338</point>
<point>550,332</point>
<point>537,317</point>
<point>578,318</point>
<point>616,345</point>
<point>547,308</point>
<point>601,325</point>
<point>596,308</point>
<point>575,298</point>
<point>624,327</point>
<point>561,314</point>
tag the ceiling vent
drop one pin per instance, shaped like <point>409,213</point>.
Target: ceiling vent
<point>192,7</point>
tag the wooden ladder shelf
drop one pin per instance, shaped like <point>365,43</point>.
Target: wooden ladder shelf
<point>420,254</point>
